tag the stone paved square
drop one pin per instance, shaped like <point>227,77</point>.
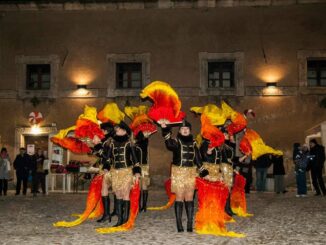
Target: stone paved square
<point>278,219</point>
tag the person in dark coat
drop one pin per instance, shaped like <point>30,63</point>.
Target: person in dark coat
<point>38,172</point>
<point>22,166</point>
<point>317,153</point>
<point>278,173</point>
<point>262,164</point>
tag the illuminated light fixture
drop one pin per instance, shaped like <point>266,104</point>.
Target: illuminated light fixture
<point>269,85</point>
<point>271,89</point>
<point>35,130</point>
<point>81,86</point>
<point>81,91</point>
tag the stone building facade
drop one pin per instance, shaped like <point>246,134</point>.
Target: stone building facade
<point>180,42</point>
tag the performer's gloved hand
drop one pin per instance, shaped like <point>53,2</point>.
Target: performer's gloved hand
<point>203,173</point>
<point>97,147</point>
<point>166,130</point>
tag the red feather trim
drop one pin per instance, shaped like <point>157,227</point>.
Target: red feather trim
<point>148,128</point>
<point>165,113</point>
<point>87,129</point>
<point>72,144</point>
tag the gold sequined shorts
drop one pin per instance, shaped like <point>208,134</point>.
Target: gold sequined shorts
<point>145,174</point>
<point>183,178</point>
<point>108,178</point>
<point>122,179</point>
<point>227,173</point>
<point>214,171</point>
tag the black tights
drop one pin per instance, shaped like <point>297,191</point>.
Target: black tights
<point>3,186</point>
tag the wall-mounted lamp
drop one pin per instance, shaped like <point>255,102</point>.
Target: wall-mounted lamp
<point>269,85</point>
<point>81,86</point>
<point>271,89</point>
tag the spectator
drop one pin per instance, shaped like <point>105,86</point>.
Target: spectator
<point>38,172</point>
<point>278,173</point>
<point>262,164</point>
<point>4,171</point>
<point>301,160</point>
<point>317,153</point>
<point>21,165</point>
<point>296,149</point>
<point>245,165</point>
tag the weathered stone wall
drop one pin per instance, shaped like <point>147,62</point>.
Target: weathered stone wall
<point>174,38</point>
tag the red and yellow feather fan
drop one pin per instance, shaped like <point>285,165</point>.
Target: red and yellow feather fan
<point>238,120</point>
<point>111,113</point>
<point>87,125</point>
<point>210,218</point>
<point>166,103</point>
<point>140,120</point>
<point>68,142</point>
<point>211,116</point>
<point>238,197</point>
<point>94,206</point>
<point>253,144</point>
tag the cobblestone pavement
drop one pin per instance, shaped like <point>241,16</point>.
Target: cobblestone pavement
<point>278,219</point>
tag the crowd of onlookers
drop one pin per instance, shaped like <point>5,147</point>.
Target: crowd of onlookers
<point>28,167</point>
<point>306,158</point>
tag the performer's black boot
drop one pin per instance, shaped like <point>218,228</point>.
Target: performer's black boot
<point>227,208</point>
<point>195,194</point>
<point>119,211</point>
<point>178,208</point>
<point>114,212</point>
<point>126,210</point>
<point>106,205</point>
<point>144,199</point>
<point>190,214</point>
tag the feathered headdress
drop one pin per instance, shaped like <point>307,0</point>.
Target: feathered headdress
<point>166,103</point>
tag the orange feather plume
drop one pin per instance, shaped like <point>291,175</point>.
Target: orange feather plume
<point>140,120</point>
<point>210,217</point>
<point>72,144</point>
<point>212,133</point>
<point>253,144</point>
<point>166,103</point>
<point>93,204</point>
<point>170,195</point>
<point>239,122</point>
<point>238,197</point>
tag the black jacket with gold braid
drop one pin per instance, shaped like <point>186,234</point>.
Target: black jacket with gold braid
<point>142,148</point>
<point>100,150</point>
<point>122,153</point>
<point>222,154</point>
<point>185,151</point>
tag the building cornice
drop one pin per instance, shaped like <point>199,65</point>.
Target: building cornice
<point>73,5</point>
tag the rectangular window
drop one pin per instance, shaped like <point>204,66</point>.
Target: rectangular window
<point>316,73</point>
<point>220,74</point>
<point>129,75</point>
<point>38,77</point>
